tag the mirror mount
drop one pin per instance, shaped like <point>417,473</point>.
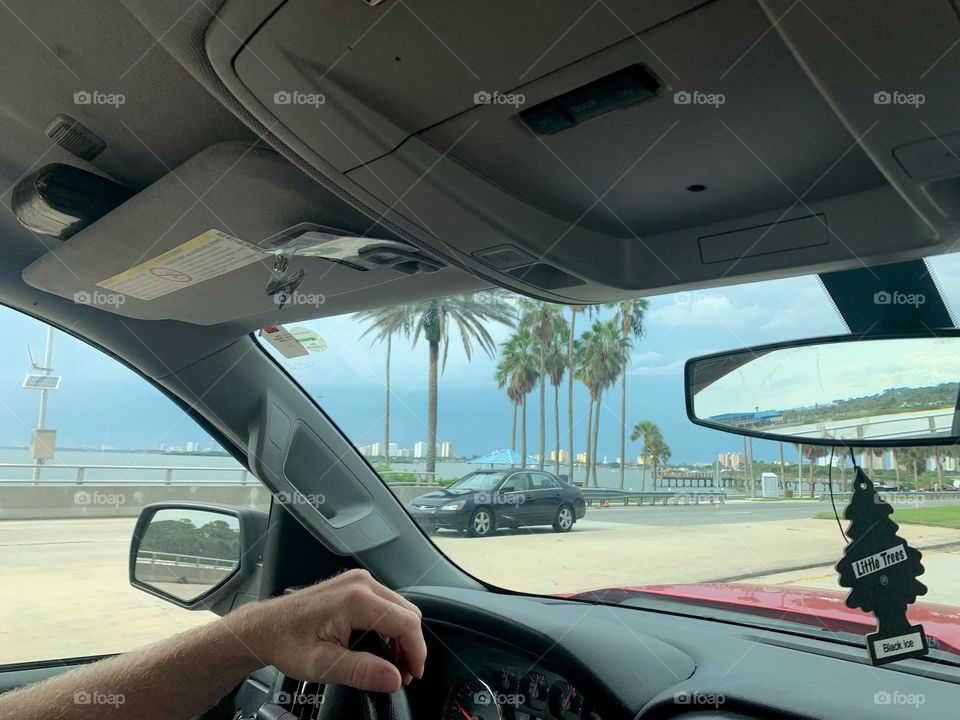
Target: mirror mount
<point>221,583</point>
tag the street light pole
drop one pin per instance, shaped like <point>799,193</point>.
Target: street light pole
<point>42,417</point>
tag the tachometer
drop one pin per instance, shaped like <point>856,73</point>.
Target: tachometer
<point>472,700</point>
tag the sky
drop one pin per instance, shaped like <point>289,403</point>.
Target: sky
<point>103,403</point>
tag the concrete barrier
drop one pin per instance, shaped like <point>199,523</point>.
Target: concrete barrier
<point>48,502</point>
<point>68,500</point>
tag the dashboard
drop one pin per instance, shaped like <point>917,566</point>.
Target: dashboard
<point>498,656</point>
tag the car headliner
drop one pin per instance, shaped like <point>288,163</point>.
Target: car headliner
<point>176,107</point>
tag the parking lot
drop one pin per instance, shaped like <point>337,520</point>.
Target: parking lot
<point>64,590</point>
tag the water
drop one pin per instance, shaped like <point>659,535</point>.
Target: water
<point>223,468</point>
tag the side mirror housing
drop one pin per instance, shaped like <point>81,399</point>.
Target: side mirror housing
<point>198,556</point>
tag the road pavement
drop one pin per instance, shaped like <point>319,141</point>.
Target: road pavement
<point>64,589</point>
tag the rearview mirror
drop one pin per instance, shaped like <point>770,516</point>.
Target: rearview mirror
<point>195,555</point>
<point>880,391</point>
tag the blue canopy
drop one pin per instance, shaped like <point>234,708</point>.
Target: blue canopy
<point>502,457</point>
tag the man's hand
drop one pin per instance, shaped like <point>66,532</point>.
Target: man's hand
<point>305,635</point>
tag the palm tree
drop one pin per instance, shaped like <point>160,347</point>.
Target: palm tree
<point>540,319</point>
<point>431,320</point>
<point>811,453</point>
<point>602,352</point>
<point>631,316</point>
<point>556,366</point>
<point>655,448</point>
<point>381,336</point>
<point>517,371</point>
<point>571,367</point>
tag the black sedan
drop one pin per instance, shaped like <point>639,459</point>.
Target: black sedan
<point>485,500</point>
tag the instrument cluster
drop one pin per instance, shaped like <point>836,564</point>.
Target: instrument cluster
<point>511,692</point>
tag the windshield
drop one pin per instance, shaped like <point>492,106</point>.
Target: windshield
<point>657,507</point>
<point>478,481</point>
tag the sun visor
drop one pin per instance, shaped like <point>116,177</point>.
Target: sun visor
<point>205,244</point>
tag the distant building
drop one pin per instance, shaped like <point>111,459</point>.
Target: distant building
<point>581,457</point>
<point>730,459</point>
<point>446,449</point>
<point>420,450</point>
<point>193,447</point>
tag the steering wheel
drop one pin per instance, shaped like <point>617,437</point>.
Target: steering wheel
<point>341,702</point>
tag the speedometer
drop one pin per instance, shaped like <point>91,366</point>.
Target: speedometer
<point>472,700</point>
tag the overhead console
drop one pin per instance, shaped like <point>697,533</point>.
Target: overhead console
<point>589,153</point>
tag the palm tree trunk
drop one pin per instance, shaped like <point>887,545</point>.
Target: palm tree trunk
<point>543,407</point>
<point>623,424</point>
<point>588,443</point>
<point>783,472</point>
<point>556,427</point>
<point>570,457</point>
<point>432,407</point>
<point>896,466</point>
<point>936,458</point>
<point>812,482</point>
<point>596,441</point>
<point>513,429</point>
<point>386,414</point>
<point>523,432</point>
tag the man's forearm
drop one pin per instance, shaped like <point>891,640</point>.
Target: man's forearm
<point>304,635</point>
<point>176,678</point>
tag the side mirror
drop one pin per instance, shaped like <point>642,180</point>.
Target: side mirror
<point>197,556</point>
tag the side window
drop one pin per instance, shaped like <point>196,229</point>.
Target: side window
<point>520,482</point>
<point>539,481</point>
<point>85,444</point>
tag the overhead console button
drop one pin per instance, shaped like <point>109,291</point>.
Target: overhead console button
<point>619,89</point>
<point>504,257</point>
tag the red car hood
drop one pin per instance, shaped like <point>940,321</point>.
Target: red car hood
<point>812,606</point>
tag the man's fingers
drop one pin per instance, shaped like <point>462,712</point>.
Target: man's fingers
<point>388,594</point>
<point>397,623</point>
<point>362,670</point>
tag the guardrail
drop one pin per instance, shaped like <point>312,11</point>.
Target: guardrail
<point>902,496</point>
<point>421,479</point>
<point>180,560</point>
<point>679,497</point>
<point>80,474</point>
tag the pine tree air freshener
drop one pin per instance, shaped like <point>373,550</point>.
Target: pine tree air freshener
<point>881,570</point>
